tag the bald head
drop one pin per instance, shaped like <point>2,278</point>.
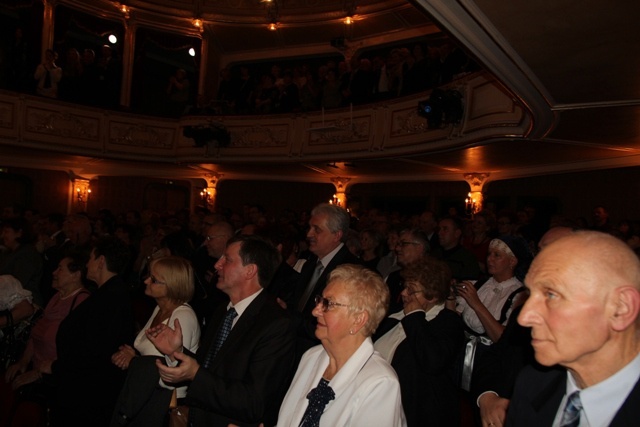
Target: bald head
<point>552,235</point>
<point>600,254</point>
<point>583,305</point>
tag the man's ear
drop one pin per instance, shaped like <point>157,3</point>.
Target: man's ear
<point>251,270</point>
<point>626,305</point>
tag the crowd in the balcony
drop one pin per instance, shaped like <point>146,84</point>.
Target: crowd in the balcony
<point>93,75</point>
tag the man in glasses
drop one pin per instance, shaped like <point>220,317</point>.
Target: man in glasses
<point>412,246</point>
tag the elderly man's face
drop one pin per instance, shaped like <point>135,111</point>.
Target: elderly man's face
<point>321,240</point>
<point>408,249</point>
<point>568,309</point>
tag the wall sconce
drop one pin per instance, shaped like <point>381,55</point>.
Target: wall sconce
<point>205,195</point>
<point>471,205</point>
<point>335,200</point>
<point>82,190</point>
<point>273,26</point>
<point>348,20</point>
<point>197,23</point>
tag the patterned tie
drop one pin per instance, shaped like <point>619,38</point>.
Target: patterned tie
<point>318,399</point>
<point>223,333</point>
<point>312,283</point>
<point>571,414</point>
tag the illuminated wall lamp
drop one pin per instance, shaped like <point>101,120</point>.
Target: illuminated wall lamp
<point>82,193</point>
<point>272,26</point>
<point>348,20</point>
<point>197,23</point>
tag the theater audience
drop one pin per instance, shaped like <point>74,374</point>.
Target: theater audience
<point>421,343</point>
<point>343,381</point>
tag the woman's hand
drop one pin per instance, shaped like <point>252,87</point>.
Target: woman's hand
<point>123,356</point>
<point>468,291</point>
<point>14,370</point>
<point>26,378</point>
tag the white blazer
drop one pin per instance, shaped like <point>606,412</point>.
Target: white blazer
<point>367,391</point>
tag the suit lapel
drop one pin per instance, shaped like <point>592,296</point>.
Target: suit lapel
<point>627,415</point>
<point>242,327</point>
<point>546,403</point>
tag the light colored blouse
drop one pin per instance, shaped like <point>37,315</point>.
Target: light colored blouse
<point>367,391</point>
<point>190,336</point>
<point>493,295</point>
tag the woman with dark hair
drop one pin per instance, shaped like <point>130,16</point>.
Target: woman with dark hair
<point>22,260</point>
<point>86,382</point>
<point>421,343</point>
<point>25,375</point>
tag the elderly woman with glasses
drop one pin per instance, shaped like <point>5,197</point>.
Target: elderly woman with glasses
<point>343,381</point>
<point>421,342</point>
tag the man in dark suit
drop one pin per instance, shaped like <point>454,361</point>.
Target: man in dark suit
<point>328,230</point>
<point>583,311</point>
<point>243,366</point>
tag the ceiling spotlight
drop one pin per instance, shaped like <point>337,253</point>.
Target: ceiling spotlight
<point>113,39</point>
<point>192,52</point>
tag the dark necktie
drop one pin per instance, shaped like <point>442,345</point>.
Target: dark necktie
<point>222,335</point>
<point>318,399</point>
<point>571,413</point>
<point>310,286</point>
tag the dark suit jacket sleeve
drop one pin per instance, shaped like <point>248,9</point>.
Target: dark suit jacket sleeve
<point>248,380</point>
<point>434,344</point>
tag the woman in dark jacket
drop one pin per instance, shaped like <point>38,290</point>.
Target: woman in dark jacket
<point>421,342</point>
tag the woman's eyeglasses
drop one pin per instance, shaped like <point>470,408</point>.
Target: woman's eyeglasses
<point>156,281</point>
<point>326,304</point>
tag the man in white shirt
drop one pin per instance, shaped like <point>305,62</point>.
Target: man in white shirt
<point>583,311</point>
<point>245,361</point>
